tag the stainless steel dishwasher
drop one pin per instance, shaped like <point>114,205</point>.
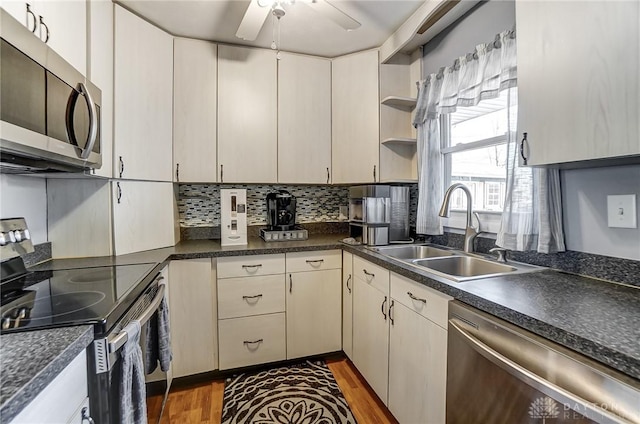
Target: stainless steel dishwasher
<point>500,373</point>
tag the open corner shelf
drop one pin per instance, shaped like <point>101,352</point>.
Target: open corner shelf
<point>399,140</point>
<point>400,101</point>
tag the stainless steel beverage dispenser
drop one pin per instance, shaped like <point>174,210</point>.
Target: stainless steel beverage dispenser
<point>379,214</point>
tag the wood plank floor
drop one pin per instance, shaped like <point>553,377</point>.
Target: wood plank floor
<point>203,403</point>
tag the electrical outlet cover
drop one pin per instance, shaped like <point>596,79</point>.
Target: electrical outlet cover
<point>621,211</point>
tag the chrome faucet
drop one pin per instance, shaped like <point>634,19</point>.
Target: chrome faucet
<point>470,232</point>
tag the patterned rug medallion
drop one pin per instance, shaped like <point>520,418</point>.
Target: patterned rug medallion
<point>304,393</point>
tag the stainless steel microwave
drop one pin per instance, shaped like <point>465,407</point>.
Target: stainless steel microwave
<point>49,111</point>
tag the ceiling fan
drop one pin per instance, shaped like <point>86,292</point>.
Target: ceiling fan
<point>258,11</point>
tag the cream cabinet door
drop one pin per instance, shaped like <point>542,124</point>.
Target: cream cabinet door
<point>347,304</point>
<point>100,61</point>
<point>194,110</point>
<point>143,215</point>
<point>417,367</point>
<point>313,302</point>
<point>247,115</point>
<point>304,119</point>
<point>67,24</point>
<point>143,99</point>
<point>578,80</point>
<point>355,131</point>
<point>371,336</point>
<point>193,316</point>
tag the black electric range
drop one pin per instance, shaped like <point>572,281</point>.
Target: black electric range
<point>46,299</point>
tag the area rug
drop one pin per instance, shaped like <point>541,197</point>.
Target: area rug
<point>304,393</point>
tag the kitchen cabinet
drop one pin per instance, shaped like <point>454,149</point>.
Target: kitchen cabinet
<point>304,119</point>
<point>193,316</point>
<point>313,303</point>
<point>355,119</point>
<point>578,80</point>
<point>143,64</point>
<point>247,115</point>
<point>65,21</point>
<point>100,67</point>
<point>251,310</point>
<point>347,304</point>
<point>62,400</point>
<point>371,324</point>
<point>194,110</point>
<point>143,216</point>
<point>417,352</point>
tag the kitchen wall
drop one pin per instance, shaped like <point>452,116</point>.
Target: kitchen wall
<point>584,198</point>
<point>26,197</point>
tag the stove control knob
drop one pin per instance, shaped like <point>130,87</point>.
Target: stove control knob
<point>6,238</point>
<point>22,235</point>
<point>6,323</point>
<point>22,313</point>
<point>18,235</point>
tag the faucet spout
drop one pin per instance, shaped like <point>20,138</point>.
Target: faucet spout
<point>470,231</point>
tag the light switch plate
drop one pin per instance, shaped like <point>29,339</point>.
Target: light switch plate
<point>621,211</point>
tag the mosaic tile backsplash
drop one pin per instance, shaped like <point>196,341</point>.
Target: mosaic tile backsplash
<point>199,204</point>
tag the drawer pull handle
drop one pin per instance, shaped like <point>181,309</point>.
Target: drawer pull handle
<point>248,342</point>
<point>393,302</point>
<point>257,296</point>
<point>370,274</point>
<point>417,299</point>
<point>251,266</point>
<point>290,284</point>
<point>315,261</point>
<point>382,308</point>
<point>349,279</point>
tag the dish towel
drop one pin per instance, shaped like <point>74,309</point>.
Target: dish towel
<point>133,398</point>
<point>158,339</point>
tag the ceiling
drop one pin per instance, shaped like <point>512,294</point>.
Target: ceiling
<point>302,29</point>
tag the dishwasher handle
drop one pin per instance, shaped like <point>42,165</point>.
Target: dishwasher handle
<point>533,380</point>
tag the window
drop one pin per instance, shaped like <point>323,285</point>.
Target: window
<point>474,144</point>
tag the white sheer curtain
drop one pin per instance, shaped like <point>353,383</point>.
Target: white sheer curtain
<point>472,78</point>
<point>532,218</point>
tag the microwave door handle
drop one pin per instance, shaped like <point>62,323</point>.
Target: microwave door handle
<point>122,337</point>
<point>530,378</point>
<point>93,122</point>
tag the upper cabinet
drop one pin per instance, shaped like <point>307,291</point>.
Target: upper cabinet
<point>304,119</point>
<point>247,115</point>
<point>355,128</point>
<point>578,80</point>
<point>100,67</point>
<point>194,110</point>
<point>143,99</point>
<point>61,24</point>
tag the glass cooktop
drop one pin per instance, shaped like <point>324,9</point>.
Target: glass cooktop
<point>59,298</point>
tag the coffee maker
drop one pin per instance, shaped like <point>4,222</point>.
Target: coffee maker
<point>281,218</point>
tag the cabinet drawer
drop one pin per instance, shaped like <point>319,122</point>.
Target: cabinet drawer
<point>246,266</point>
<point>247,296</point>
<point>251,340</point>
<point>314,261</point>
<point>372,274</point>
<point>429,303</point>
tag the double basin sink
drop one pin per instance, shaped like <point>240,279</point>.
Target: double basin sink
<point>452,264</point>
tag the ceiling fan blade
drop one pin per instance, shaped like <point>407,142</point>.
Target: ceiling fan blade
<point>335,14</point>
<point>252,22</point>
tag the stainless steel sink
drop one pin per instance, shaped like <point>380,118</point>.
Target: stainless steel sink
<point>410,252</point>
<point>465,267</point>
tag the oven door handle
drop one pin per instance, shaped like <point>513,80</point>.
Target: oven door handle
<point>121,338</point>
<point>530,378</point>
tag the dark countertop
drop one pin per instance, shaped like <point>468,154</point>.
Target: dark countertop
<point>597,318</point>
<point>30,360</point>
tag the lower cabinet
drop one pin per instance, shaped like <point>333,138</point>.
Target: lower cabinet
<point>251,310</point>
<point>400,342</point>
<point>347,304</point>
<point>371,324</point>
<point>192,312</point>
<point>63,400</point>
